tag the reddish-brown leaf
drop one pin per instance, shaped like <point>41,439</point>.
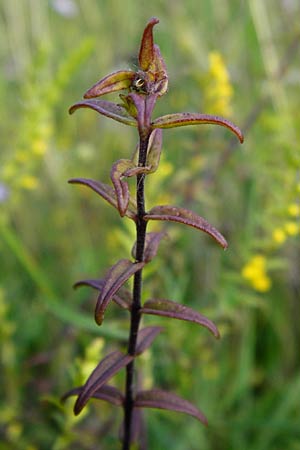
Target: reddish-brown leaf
<point>145,338</point>
<point>146,54</point>
<point>108,109</point>
<point>115,81</point>
<point>123,297</point>
<point>182,215</point>
<point>121,186</point>
<point>117,275</point>
<point>107,192</point>
<point>156,398</point>
<point>108,367</point>
<point>106,392</point>
<point>183,119</point>
<point>151,245</point>
<point>158,68</point>
<point>167,308</point>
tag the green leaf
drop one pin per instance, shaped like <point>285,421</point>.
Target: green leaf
<point>167,308</point>
<point>182,215</point>
<point>186,118</point>
<point>108,109</point>
<point>156,398</point>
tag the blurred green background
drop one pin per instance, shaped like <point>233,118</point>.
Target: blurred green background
<point>236,58</point>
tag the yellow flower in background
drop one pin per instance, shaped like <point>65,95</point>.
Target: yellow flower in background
<point>28,182</point>
<point>291,228</point>
<point>294,210</point>
<point>219,91</point>
<point>255,273</point>
<point>279,236</point>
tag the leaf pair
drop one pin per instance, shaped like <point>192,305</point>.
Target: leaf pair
<point>153,398</point>
<point>95,386</point>
<point>111,287</point>
<point>117,198</point>
<point>121,114</point>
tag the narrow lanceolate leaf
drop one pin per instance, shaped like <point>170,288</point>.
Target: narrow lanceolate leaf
<point>106,392</point>
<point>145,338</point>
<point>156,398</point>
<point>154,150</point>
<point>121,185</point>
<point>108,109</point>
<point>153,156</point>
<point>123,297</point>
<point>183,119</point>
<point>167,308</point>
<point>182,215</point>
<point>108,367</point>
<point>146,54</point>
<point>115,81</point>
<point>117,275</point>
<point>107,192</point>
<point>151,245</point>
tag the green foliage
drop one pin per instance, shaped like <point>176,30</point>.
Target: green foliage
<point>248,382</point>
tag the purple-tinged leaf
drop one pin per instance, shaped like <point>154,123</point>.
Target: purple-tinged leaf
<point>151,245</point>
<point>116,276</point>
<point>144,105</point>
<point>108,109</point>
<point>145,338</point>
<point>115,81</point>
<point>105,370</point>
<point>156,398</point>
<point>123,297</point>
<point>120,185</point>
<point>183,119</point>
<point>107,192</point>
<point>106,392</point>
<point>182,215</point>
<point>167,308</point>
<point>146,54</point>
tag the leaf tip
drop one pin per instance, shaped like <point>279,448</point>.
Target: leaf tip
<point>99,318</point>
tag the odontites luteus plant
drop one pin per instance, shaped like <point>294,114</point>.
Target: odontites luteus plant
<point>141,90</point>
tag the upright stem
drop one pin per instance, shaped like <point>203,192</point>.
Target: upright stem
<point>141,225</point>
